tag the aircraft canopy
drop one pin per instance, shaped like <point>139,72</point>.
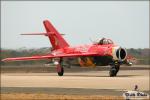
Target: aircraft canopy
<point>105,41</point>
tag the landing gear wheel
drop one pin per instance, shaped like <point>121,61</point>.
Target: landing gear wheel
<point>60,70</point>
<point>117,68</point>
<point>114,70</point>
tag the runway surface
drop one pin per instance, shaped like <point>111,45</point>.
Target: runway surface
<point>125,80</point>
<point>83,84</point>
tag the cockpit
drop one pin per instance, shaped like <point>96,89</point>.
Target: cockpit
<point>105,41</point>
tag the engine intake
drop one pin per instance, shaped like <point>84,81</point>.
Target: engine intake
<point>119,53</point>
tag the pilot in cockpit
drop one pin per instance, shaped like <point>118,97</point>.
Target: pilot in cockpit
<point>101,42</point>
<point>105,41</point>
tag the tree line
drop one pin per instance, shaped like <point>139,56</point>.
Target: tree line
<point>141,55</point>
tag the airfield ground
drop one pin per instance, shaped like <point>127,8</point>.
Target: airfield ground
<point>35,82</point>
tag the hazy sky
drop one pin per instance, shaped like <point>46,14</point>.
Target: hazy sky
<point>125,22</point>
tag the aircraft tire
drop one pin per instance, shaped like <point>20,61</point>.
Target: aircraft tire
<point>117,68</point>
<point>112,72</point>
<point>60,71</point>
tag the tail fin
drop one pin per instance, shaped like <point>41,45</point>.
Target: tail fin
<point>55,37</point>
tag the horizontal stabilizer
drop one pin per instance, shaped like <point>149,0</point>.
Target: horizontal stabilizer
<point>34,34</point>
<point>46,34</point>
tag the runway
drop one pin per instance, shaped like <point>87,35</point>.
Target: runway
<point>125,80</point>
<point>76,83</point>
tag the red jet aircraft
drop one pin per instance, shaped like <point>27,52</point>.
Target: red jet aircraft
<point>105,52</point>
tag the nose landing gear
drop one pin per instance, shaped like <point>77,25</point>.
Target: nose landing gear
<point>114,69</point>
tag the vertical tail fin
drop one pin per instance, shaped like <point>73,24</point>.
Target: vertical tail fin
<point>55,37</point>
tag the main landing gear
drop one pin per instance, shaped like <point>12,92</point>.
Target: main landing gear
<point>114,69</point>
<point>59,68</point>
